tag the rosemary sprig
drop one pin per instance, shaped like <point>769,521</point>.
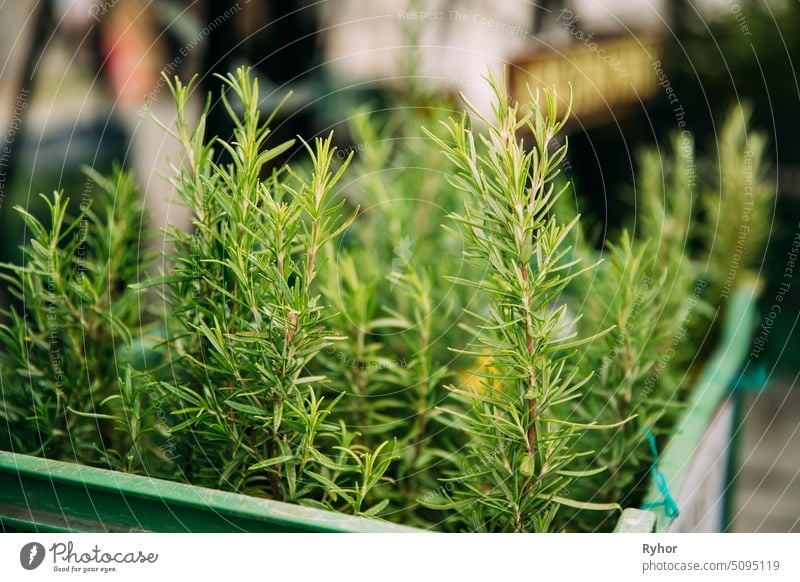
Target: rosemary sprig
<point>65,352</point>
<point>516,470</point>
<point>249,321</point>
<point>738,204</point>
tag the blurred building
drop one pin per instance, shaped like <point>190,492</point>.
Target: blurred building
<point>457,41</point>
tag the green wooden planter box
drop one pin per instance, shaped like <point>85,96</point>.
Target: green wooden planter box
<point>51,496</point>
<point>703,445</point>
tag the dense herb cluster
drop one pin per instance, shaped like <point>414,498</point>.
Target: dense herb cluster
<point>738,203</point>
<point>248,318</point>
<point>491,375</point>
<point>518,464</point>
<point>64,339</point>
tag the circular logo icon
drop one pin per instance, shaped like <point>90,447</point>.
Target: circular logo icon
<point>31,555</point>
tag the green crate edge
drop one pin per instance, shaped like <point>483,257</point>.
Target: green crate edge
<point>720,373</point>
<point>53,496</point>
<point>43,495</point>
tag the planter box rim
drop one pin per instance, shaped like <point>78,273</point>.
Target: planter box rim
<point>30,486</point>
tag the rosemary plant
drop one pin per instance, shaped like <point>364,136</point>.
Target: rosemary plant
<point>628,386</point>
<point>738,204</point>
<point>666,197</point>
<point>248,320</point>
<point>394,306</point>
<point>300,352</point>
<point>643,293</point>
<point>516,470</point>
<point>64,354</point>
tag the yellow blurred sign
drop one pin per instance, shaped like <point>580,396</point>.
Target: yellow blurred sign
<point>607,75</point>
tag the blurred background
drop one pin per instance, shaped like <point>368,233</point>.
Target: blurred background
<point>80,85</point>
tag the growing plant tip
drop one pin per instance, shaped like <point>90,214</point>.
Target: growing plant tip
<point>520,451</point>
<point>485,374</point>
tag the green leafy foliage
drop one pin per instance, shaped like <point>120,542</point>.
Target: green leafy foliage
<point>62,352</point>
<point>248,319</point>
<point>738,203</point>
<point>350,352</point>
<point>632,385</point>
<point>395,309</point>
<point>515,473</point>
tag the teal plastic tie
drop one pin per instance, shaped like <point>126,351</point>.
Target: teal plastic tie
<point>755,379</point>
<point>668,501</point>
